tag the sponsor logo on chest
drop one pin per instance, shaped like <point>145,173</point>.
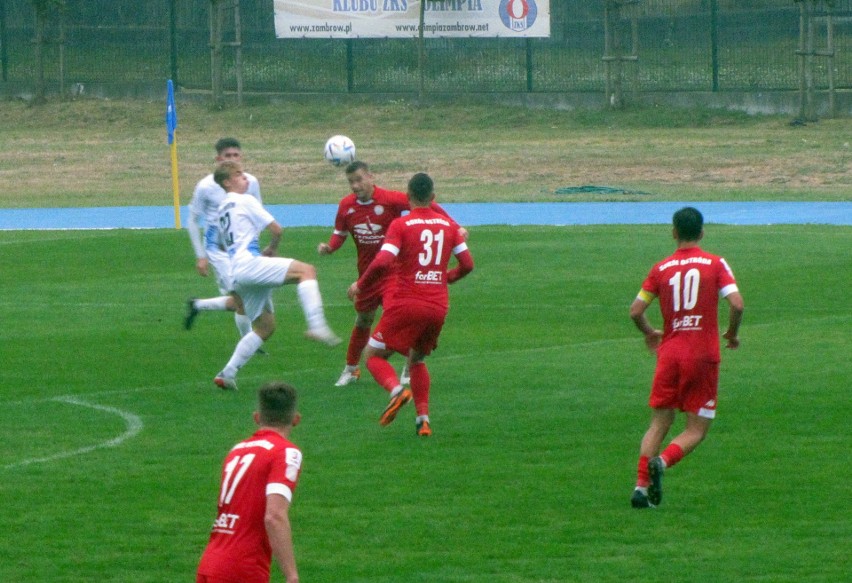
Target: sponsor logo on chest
<point>687,323</point>
<point>368,233</point>
<point>430,277</point>
<point>225,523</point>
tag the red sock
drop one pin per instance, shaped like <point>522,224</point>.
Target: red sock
<point>642,479</point>
<point>420,383</point>
<point>357,341</point>
<point>383,372</point>
<point>672,454</point>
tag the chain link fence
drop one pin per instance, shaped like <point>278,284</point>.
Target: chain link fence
<point>679,45</point>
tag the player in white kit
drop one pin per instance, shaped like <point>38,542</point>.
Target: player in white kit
<point>256,273</point>
<point>209,250</point>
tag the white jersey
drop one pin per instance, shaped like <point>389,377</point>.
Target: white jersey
<point>241,220</point>
<point>203,211</point>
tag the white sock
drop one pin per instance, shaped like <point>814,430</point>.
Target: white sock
<point>351,367</point>
<point>311,300</point>
<point>421,418</point>
<point>219,303</point>
<point>243,323</point>
<point>397,390</point>
<point>245,349</point>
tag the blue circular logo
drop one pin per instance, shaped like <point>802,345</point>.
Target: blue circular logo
<point>518,15</point>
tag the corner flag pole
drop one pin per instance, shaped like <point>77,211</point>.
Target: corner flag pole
<point>171,126</point>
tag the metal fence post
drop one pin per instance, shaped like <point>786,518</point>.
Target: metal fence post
<point>173,66</point>
<point>350,66</point>
<point>614,56</point>
<point>238,50</point>
<point>4,40</point>
<point>806,53</point>
<point>714,43</point>
<point>216,51</point>
<point>529,64</point>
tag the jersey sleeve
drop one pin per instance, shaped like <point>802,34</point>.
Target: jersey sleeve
<point>196,213</point>
<point>284,473</point>
<point>650,287</point>
<point>340,226</point>
<point>259,215</point>
<point>727,282</point>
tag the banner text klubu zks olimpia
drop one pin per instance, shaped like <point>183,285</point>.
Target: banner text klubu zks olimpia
<point>401,18</point>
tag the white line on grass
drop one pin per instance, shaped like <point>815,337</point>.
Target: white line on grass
<point>134,426</point>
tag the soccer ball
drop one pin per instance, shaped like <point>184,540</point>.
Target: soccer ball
<point>339,150</point>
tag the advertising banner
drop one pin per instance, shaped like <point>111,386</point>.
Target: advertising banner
<point>401,18</point>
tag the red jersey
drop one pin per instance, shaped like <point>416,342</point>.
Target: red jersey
<point>689,285</point>
<point>368,221</point>
<point>422,243</point>
<point>264,464</point>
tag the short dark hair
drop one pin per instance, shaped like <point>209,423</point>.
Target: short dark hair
<point>356,166</point>
<point>225,170</point>
<point>688,224</point>
<point>225,143</point>
<point>276,402</point>
<point>421,187</point>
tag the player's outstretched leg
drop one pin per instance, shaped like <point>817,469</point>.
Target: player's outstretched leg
<point>225,382</point>
<point>396,403</point>
<point>311,301</point>
<point>191,313</point>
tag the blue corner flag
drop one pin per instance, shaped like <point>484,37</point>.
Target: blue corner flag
<point>171,113</point>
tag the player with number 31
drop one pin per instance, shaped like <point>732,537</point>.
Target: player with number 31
<point>418,246</point>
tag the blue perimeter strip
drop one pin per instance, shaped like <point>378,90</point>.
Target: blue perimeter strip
<point>467,214</point>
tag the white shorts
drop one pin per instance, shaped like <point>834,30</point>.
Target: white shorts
<point>222,268</point>
<point>255,279</point>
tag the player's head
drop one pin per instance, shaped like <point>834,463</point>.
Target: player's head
<point>421,189</point>
<point>688,224</point>
<point>276,405</point>
<point>228,149</point>
<point>229,175</point>
<point>360,180</point>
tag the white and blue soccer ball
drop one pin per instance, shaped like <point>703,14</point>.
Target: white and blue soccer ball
<point>339,150</point>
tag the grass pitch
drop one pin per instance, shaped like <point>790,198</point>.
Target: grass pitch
<point>113,432</point>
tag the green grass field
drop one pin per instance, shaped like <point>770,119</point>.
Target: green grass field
<point>113,433</point>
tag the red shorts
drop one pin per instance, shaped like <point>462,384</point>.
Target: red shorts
<point>206,579</point>
<point>402,328</point>
<point>370,298</point>
<point>686,384</point>
<point>221,568</point>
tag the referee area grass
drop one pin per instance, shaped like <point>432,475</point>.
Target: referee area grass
<point>539,400</point>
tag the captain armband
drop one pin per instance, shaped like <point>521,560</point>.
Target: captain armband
<point>645,296</point>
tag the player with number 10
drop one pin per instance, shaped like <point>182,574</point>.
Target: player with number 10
<point>688,285</point>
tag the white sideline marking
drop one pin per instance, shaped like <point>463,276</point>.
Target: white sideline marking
<point>134,426</point>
